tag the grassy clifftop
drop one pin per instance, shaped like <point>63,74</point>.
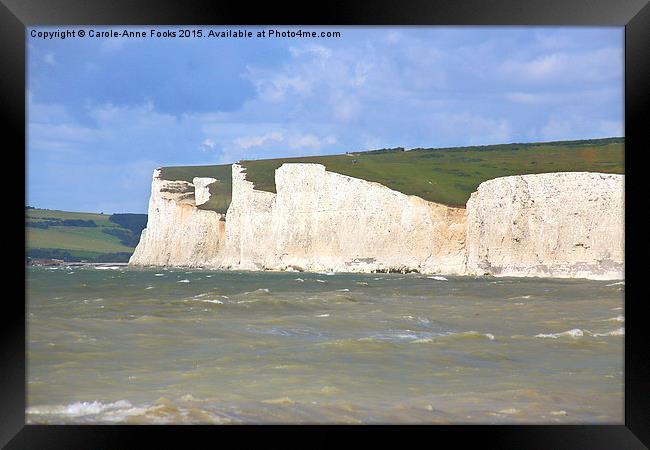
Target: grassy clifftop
<point>441,175</point>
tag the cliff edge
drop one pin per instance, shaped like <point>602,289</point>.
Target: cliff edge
<point>566,224</point>
<point>178,233</point>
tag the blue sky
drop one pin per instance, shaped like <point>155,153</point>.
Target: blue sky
<point>104,112</point>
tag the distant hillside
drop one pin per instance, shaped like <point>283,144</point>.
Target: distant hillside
<point>442,175</point>
<point>74,236</point>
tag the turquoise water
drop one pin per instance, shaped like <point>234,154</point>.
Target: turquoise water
<point>123,345</point>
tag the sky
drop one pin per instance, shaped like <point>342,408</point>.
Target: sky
<point>103,113</point>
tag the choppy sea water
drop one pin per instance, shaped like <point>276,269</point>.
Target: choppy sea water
<point>148,346</point>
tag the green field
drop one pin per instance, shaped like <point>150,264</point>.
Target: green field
<point>442,175</point>
<point>46,236</point>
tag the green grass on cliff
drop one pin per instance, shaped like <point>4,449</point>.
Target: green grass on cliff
<point>443,175</point>
<point>220,190</point>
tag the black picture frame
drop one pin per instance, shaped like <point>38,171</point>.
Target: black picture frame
<point>16,15</point>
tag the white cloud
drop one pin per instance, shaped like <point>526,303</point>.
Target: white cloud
<point>477,130</point>
<point>612,127</point>
<point>313,50</point>
<point>556,128</point>
<point>49,59</point>
<point>538,68</point>
<point>393,37</point>
<point>113,44</point>
<point>278,87</point>
<point>305,142</point>
<point>345,107</point>
<point>207,144</point>
<point>525,97</point>
<point>247,142</point>
<point>587,66</point>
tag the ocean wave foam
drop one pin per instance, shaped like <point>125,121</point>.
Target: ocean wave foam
<point>184,281</point>
<point>427,337</point>
<point>619,318</point>
<point>577,332</point>
<point>617,332</point>
<point>78,409</point>
<point>439,278</point>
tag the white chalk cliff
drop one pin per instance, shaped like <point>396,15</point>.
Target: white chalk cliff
<point>177,233</point>
<point>555,225</point>
<point>565,224</point>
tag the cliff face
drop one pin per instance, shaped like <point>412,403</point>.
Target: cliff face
<point>323,221</point>
<point>568,225</point>
<point>177,233</point>
<point>555,225</point>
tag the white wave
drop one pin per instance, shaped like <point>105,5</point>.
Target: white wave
<point>208,276</point>
<point>149,287</point>
<point>107,267</point>
<point>343,290</point>
<point>326,273</point>
<point>574,333</point>
<point>616,309</point>
<point>184,281</point>
<point>218,302</point>
<point>300,280</point>
<point>439,278</point>
<point>160,274</point>
<point>618,283</point>
<point>618,318</point>
<point>323,315</point>
<point>520,297</point>
<point>321,281</point>
<point>426,337</point>
<point>617,332</point>
<point>78,409</point>
<point>263,290</point>
<point>577,332</point>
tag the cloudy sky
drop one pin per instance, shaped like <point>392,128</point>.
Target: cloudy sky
<point>104,112</point>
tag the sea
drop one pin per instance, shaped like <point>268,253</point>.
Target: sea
<point>122,345</point>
